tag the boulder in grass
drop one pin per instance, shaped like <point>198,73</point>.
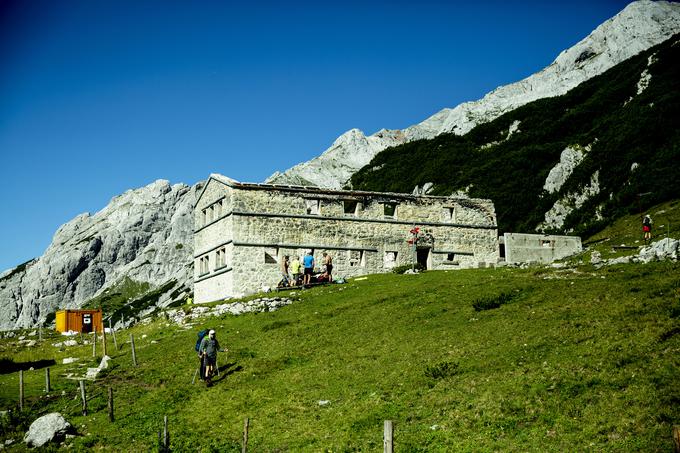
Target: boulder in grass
<point>45,429</point>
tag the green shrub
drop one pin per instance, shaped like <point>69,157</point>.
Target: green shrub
<point>491,302</point>
<point>441,370</point>
<point>405,267</point>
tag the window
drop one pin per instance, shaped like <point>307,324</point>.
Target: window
<point>221,258</point>
<point>390,210</point>
<point>271,255</point>
<point>356,258</point>
<point>218,209</point>
<point>351,207</point>
<point>390,260</point>
<point>546,243</point>
<point>204,217</point>
<point>449,214</point>
<point>450,256</point>
<point>204,265</point>
<point>313,206</point>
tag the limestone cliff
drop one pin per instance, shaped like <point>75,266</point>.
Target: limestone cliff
<point>144,235</point>
<point>639,26</point>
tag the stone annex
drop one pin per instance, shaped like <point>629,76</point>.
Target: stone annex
<point>242,230</point>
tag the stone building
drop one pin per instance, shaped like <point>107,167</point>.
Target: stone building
<point>242,230</point>
<point>537,248</point>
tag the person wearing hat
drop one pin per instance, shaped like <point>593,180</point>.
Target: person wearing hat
<point>208,350</point>
<point>647,227</point>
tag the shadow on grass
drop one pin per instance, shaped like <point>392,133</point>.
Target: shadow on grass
<point>10,366</point>
<point>228,369</point>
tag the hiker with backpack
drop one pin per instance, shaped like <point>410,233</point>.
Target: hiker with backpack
<point>647,227</point>
<point>207,351</point>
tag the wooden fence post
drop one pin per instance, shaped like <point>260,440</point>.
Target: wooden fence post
<point>134,355</point>
<point>388,441</point>
<point>246,425</point>
<point>21,390</point>
<point>104,339</point>
<point>115,342</point>
<point>40,333</point>
<point>94,344</point>
<point>676,438</point>
<point>166,434</point>
<point>110,404</point>
<point>83,396</point>
<point>47,380</point>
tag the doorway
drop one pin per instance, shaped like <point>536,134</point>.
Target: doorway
<point>87,323</point>
<point>423,256</point>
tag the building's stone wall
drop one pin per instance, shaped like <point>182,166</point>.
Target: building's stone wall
<point>540,248</point>
<point>265,223</point>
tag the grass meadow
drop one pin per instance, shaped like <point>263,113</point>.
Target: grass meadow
<point>551,359</point>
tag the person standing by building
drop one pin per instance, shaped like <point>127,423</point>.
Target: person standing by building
<point>285,281</point>
<point>208,351</point>
<point>647,227</point>
<point>328,262</point>
<point>308,262</point>
<point>296,270</point>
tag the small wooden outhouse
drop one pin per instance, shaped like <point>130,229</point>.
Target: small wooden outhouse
<point>79,321</point>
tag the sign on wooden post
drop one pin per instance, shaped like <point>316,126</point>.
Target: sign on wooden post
<point>388,442</point>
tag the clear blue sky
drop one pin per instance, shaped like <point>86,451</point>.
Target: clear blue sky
<point>97,97</point>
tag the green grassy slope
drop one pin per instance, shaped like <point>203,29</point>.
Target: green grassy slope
<point>606,112</point>
<point>577,360</point>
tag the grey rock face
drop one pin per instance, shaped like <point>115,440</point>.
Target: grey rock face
<point>143,234</point>
<point>664,249</point>
<point>639,26</point>
<point>45,429</point>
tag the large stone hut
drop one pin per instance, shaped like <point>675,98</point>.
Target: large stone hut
<point>242,230</point>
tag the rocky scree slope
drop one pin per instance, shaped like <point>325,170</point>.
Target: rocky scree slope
<point>143,235</point>
<point>636,28</point>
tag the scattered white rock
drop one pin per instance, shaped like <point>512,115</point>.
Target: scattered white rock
<point>595,257</point>
<point>667,248</point>
<point>70,343</point>
<point>104,362</point>
<point>262,304</point>
<point>324,402</point>
<point>46,428</point>
<point>68,360</point>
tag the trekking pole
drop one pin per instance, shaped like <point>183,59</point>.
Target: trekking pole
<point>195,374</point>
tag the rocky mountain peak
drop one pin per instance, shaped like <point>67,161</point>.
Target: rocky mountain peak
<point>144,235</point>
<point>637,27</point>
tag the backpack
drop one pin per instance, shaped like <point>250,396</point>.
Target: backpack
<point>201,335</point>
